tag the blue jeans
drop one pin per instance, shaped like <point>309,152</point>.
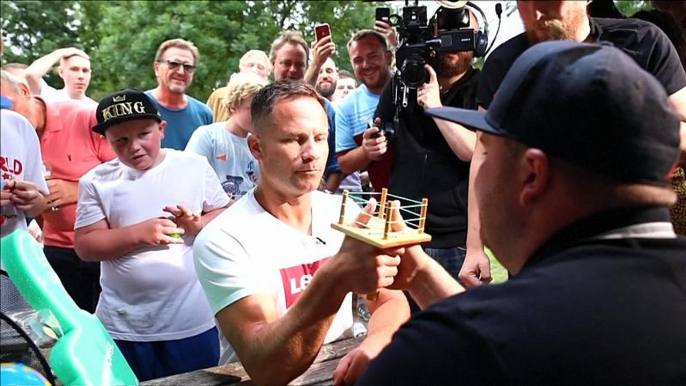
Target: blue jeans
<point>150,360</point>
<point>451,259</point>
<point>81,279</point>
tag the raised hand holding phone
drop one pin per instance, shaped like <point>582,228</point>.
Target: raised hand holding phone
<point>323,47</point>
<point>383,25</point>
<point>383,14</point>
<point>322,30</point>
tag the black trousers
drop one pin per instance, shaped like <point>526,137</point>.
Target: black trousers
<point>81,279</point>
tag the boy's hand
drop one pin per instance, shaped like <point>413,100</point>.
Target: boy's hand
<point>158,231</point>
<point>190,222</point>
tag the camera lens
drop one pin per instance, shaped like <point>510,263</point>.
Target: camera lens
<point>413,72</point>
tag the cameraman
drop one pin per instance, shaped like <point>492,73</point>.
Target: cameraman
<point>432,155</point>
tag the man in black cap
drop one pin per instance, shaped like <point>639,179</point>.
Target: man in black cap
<point>138,215</point>
<point>546,20</point>
<point>579,146</point>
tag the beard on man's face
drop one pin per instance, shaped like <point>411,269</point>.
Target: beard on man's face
<point>449,66</point>
<point>554,29</point>
<point>326,89</point>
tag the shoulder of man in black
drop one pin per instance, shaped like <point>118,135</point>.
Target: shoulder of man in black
<point>463,93</point>
<point>647,45</point>
<point>577,310</point>
<point>437,347</point>
<point>497,65</point>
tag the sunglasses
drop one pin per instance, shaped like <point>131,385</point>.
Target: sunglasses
<point>173,65</point>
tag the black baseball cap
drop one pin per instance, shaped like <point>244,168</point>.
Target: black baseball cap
<point>588,104</point>
<point>124,105</point>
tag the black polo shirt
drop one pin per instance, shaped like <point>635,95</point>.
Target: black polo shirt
<point>643,41</point>
<point>585,310</point>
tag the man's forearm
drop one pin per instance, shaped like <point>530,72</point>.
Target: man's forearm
<point>460,139</point>
<point>474,242</point>
<point>354,160</point>
<point>42,65</point>
<point>389,312</point>
<point>312,73</point>
<point>432,284</point>
<point>280,351</point>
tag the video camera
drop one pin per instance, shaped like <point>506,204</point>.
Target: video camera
<point>422,40</point>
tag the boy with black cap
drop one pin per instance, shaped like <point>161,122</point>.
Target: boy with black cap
<point>151,301</point>
<point>573,198</point>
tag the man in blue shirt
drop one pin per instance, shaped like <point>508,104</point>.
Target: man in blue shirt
<point>175,63</point>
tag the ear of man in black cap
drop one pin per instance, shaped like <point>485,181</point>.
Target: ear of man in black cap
<point>587,104</point>
<point>124,105</point>
<point>573,201</point>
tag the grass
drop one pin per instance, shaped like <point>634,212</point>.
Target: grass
<point>498,272</point>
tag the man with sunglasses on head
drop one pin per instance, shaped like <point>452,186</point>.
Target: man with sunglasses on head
<point>175,63</point>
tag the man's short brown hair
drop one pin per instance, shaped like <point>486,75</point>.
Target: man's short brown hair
<point>291,37</point>
<point>178,43</point>
<point>268,97</point>
<point>359,35</point>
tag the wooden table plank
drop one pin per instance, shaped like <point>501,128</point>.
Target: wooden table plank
<point>320,373</point>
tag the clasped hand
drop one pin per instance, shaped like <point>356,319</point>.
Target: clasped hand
<point>394,268</point>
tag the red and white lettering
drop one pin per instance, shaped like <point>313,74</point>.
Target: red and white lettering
<point>296,279</point>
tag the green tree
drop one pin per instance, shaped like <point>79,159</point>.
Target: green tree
<point>32,29</point>
<point>122,36</point>
<point>130,32</point>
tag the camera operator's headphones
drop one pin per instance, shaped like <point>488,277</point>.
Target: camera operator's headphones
<point>462,12</point>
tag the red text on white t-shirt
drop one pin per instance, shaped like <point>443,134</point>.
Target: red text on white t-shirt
<point>295,279</point>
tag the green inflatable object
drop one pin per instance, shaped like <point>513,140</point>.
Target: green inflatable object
<point>84,353</point>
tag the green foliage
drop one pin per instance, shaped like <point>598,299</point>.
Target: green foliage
<point>35,28</point>
<point>122,36</point>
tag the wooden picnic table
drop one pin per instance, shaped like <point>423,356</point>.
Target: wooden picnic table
<point>320,373</point>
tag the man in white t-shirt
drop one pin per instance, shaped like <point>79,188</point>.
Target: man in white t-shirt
<point>271,266</point>
<point>139,214</point>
